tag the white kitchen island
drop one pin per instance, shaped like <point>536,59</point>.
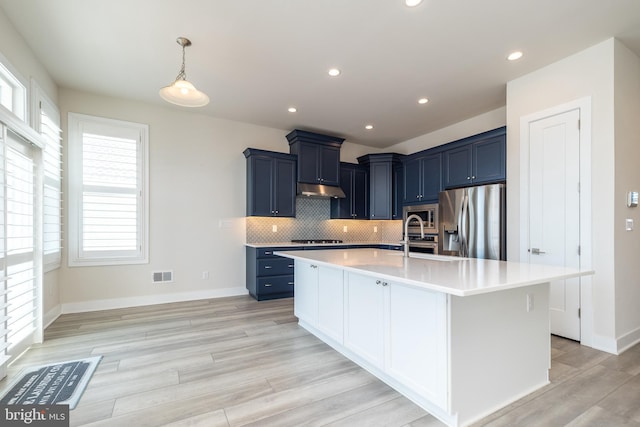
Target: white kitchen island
<point>460,337</point>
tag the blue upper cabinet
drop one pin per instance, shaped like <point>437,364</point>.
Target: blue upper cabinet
<point>354,181</point>
<point>318,157</point>
<point>480,160</point>
<point>422,178</point>
<point>384,185</point>
<point>271,183</point>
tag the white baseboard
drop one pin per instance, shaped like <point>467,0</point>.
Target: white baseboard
<point>51,315</point>
<point>108,304</point>
<point>628,340</point>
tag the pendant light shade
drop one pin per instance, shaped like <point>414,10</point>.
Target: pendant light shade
<point>182,92</point>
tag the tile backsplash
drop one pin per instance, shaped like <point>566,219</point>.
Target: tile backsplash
<point>312,222</point>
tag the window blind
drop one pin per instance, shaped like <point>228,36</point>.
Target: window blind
<point>52,191</point>
<point>108,198</point>
<point>4,302</point>
<point>22,296</point>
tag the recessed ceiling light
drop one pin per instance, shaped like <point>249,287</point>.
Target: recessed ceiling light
<point>423,101</point>
<point>514,55</point>
<point>292,109</point>
<point>334,72</point>
<point>412,3</point>
<point>368,127</point>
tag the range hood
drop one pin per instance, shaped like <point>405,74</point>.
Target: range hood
<point>318,163</point>
<point>319,190</point>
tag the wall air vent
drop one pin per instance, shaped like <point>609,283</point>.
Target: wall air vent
<point>162,276</point>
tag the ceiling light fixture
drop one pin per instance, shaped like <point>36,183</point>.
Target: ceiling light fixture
<point>412,3</point>
<point>181,92</point>
<point>423,101</point>
<point>334,72</point>
<point>514,55</point>
<point>292,109</point>
<point>368,127</point>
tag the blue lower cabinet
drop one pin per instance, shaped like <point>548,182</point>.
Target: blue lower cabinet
<point>270,276</point>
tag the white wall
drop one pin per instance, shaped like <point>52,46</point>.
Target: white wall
<point>590,73</point>
<point>197,180</point>
<point>627,178</point>
<point>14,48</point>
<point>475,125</point>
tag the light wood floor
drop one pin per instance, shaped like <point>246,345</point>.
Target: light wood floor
<point>235,362</point>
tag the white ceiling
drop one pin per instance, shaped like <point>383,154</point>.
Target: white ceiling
<point>255,58</point>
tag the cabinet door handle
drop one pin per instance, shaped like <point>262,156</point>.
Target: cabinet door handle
<point>378,282</point>
<point>267,285</point>
<point>267,267</point>
<point>290,265</point>
<point>468,177</point>
<point>314,266</point>
<point>385,284</point>
<point>268,253</point>
<point>290,283</point>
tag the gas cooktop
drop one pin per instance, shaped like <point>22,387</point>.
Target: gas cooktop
<point>316,241</point>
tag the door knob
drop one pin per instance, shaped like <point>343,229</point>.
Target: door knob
<point>536,251</point>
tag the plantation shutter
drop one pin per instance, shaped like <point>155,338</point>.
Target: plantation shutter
<point>110,194</point>
<point>52,192</point>
<point>22,298</point>
<point>108,191</point>
<point>4,298</point>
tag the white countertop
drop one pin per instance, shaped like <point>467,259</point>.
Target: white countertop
<point>451,275</point>
<point>290,244</point>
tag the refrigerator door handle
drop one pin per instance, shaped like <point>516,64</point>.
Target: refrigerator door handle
<point>463,226</point>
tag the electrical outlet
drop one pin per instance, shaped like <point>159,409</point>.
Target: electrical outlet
<point>205,275</point>
<point>274,228</point>
<point>344,228</point>
<point>375,228</point>
<point>529,302</point>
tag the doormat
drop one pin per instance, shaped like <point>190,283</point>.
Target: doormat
<point>58,384</point>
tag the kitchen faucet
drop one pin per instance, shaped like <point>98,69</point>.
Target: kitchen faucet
<point>406,232</point>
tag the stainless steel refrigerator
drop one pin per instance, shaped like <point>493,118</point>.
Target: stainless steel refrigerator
<point>472,222</point>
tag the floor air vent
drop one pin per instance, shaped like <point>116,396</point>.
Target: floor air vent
<point>162,276</point>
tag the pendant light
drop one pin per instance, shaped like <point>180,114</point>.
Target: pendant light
<point>182,92</point>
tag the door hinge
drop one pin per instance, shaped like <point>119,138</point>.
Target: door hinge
<point>579,123</point>
<point>578,187</point>
<point>579,313</point>
<point>579,250</point>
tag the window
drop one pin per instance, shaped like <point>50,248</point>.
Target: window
<point>49,127</point>
<point>18,246</point>
<point>13,94</point>
<point>108,187</point>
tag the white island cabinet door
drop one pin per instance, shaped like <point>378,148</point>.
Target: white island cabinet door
<point>417,342</point>
<point>305,290</point>
<point>331,303</point>
<point>364,318</point>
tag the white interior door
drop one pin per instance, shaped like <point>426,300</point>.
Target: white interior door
<point>554,211</point>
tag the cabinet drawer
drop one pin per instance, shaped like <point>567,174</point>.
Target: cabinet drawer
<point>275,266</point>
<point>268,252</point>
<point>275,284</point>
